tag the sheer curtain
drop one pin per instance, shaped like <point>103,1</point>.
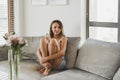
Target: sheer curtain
<point>6,18</point>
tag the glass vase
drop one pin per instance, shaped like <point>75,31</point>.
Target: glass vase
<point>16,64</point>
<point>11,64</point>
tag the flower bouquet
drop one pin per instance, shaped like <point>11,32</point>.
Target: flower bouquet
<point>14,43</point>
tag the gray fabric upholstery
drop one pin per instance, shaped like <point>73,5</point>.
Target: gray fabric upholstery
<point>30,50</point>
<point>73,74</point>
<point>117,75</point>
<point>71,52</point>
<point>28,70</point>
<point>99,57</point>
<point>3,53</point>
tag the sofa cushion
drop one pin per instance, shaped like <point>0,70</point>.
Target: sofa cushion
<point>30,50</point>
<point>27,69</point>
<point>99,57</point>
<point>71,51</point>
<point>73,74</point>
<point>117,75</point>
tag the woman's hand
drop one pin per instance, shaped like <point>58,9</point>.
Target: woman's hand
<point>43,59</point>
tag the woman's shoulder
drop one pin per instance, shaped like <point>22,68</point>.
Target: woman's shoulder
<point>64,37</point>
<point>63,40</point>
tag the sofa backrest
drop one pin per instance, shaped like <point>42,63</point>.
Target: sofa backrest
<point>99,57</point>
<point>71,52</point>
<point>3,53</point>
<point>30,50</point>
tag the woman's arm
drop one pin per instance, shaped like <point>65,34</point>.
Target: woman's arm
<point>59,53</point>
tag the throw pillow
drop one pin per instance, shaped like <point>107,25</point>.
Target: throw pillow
<point>29,52</point>
<point>71,51</point>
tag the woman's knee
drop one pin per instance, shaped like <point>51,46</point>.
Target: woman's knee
<point>52,45</point>
<point>43,43</point>
<point>42,40</point>
<point>52,42</point>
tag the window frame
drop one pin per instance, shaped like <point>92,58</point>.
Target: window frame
<point>101,24</point>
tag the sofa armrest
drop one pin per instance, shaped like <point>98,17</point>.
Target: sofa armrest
<point>3,53</point>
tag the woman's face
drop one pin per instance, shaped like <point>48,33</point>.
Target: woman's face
<point>56,28</point>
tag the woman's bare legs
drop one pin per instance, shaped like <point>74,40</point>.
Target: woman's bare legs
<point>53,48</point>
<point>43,52</point>
<point>39,56</point>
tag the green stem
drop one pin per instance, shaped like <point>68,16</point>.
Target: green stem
<point>17,64</point>
<point>10,55</point>
<point>10,65</point>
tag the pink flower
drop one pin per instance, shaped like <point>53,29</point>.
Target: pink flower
<point>9,43</point>
<point>14,40</point>
<point>21,41</point>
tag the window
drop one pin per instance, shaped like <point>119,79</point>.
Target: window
<point>103,20</point>
<point>103,33</point>
<point>101,11</point>
<point>3,20</point>
<point>6,18</point>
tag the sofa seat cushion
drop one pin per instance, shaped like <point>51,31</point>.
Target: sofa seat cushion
<point>28,70</point>
<point>73,74</point>
<point>99,57</point>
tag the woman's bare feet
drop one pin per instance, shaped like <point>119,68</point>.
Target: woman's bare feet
<point>47,69</point>
<point>42,70</point>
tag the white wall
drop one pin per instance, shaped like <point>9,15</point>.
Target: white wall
<point>82,21</point>
<point>19,16</point>
<point>35,20</point>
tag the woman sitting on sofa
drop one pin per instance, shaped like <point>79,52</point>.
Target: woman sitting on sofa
<point>52,49</point>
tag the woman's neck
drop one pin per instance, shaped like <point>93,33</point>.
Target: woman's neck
<point>56,36</point>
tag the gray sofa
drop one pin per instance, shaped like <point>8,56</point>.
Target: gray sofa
<point>94,60</point>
